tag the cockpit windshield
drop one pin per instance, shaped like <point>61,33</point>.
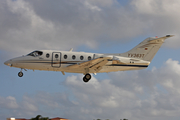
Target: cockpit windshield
<point>35,53</point>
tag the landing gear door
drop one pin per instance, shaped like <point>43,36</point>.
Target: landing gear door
<point>56,59</point>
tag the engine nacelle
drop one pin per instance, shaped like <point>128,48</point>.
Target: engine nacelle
<point>116,58</point>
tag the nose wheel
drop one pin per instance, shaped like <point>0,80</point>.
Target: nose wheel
<point>87,77</point>
<point>20,74</point>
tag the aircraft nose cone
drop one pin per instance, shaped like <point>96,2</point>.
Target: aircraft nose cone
<point>8,63</point>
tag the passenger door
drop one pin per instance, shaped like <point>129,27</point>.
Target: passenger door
<point>56,59</point>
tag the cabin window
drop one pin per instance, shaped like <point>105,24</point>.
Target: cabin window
<point>65,56</point>
<point>89,58</point>
<point>81,57</point>
<point>35,53</point>
<point>56,56</point>
<point>47,55</point>
<point>73,57</point>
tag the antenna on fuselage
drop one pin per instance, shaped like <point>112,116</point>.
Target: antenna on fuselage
<point>71,50</point>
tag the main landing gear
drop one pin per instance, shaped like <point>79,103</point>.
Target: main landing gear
<point>87,77</point>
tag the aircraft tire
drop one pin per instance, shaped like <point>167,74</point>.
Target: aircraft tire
<point>85,80</point>
<point>88,76</point>
<point>20,74</point>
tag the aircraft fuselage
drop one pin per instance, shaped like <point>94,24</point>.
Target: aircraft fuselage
<point>59,60</point>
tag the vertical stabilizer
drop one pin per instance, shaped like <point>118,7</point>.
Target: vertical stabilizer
<point>147,49</point>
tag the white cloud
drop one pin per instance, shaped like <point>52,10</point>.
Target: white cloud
<point>29,25</point>
<point>158,7</point>
<point>29,31</point>
<point>8,102</point>
<point>160,17</point>
<point>29,105</point>
<point>94,8</point>
<point>134,95</point>
<point>102,3</point>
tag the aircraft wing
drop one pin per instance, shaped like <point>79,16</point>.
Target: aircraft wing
<point>94,65</point>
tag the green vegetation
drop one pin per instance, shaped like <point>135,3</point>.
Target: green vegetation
<point>39,117</point>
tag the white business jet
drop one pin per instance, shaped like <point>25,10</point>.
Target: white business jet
<point>81,62</point>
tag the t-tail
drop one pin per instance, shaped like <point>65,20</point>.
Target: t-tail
<point>147,49</point>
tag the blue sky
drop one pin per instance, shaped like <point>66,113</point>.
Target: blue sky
<point>98,26</point>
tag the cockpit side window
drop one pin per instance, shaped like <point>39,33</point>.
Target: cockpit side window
<point>35,53</point>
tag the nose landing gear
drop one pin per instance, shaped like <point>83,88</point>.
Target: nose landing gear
<point>87,77</point>
<point>20,74</point>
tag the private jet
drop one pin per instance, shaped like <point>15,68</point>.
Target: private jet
<point>87,63</point>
